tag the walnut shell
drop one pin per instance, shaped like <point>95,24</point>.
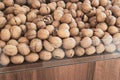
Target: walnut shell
<point>15,21</point>
<point>69,53</point>
<point>69,43</point>
<point>43,34</point>
<point>66,18</point>
<point>15,32</point>
<point>10,50</point>
<point>86,42</point>
<point>32,57</point>
<point>12,42</point>
<point>55,41</point>
<point>63,33</point>
<point>8,3</point>
<point>4,60</point>
<point>90,50</point>
<point>23,40</point>
<point>95,41</point>
<point>23,49</point>
<point>2,43</point>
<point>98,32</point>
<point>22,18</point>
<point>110,48</point>
<point>17,59</point>
<point>58,53</point>
<point>48,46</point>
<point>100,49</point>
<point>36,45</point>
<point>30,34</point>
<point>87,32</point>
<point>5,34</point>
<point>44,10</point>
<point>2,22</point>
<point>113,29</point>
<point>79,51</point>
<point>111,20</point>
<point>102,26</point>
<point>107,39</point>
<point>58,14</point>
<point>45,55</point>
<point>2,5</point>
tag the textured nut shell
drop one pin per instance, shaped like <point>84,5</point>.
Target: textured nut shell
<point>23,49</point>
<point>110,48</point>
<point>107,39</point>
<point>87,32</point>
<point>100,49</point>
<point>95,41</point>
<point>4,60</point>
<point>32,57</point>
<point>15,32</point>
<point>45,55</point>
<point>69,53</point>
<point>55,41</point>
<point>30,34</point>
<point>36,45</point>
<point>48,46</point>
<point>66,18</point>
<point>74,31</point>
<point>5,34</point>
<point>116,38</point>
<point>2,22</point>
<point>23,40</point>
<point>43,34</point>
<point>86,42</point>
<point>63,33</point>
<point>99,33</point>
<point>12,42</point>
<point>79,51</point>
<point>113,29</point>
<point>90,50</point>
<point>10,50</point>
<point>17,59</point>
<point>69,43</point>
<point>58,53</point>
<point>2,43</point>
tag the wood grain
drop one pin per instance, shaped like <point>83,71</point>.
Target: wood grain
<point>53,63</point>
<point>71,72</point>
<point>107,70</point>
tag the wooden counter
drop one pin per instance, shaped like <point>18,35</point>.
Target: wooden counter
<point>97,67</point>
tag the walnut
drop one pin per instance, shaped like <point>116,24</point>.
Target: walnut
<point>44,10</point>
<point>15,32</point>
<point>66,18</point>
<point>30,34</point>
<point>10,50</point>
<point>23,40</point>
<point>2,6</point>
<point>15,21</point>
<point>2,22</point>
<point>36,45</point>
<point>48,19</point>
<point>21,2</point>
<point>23,48</point>
<point>5,34</point>
<point>31,16</point>
<point>43,34</point>
<point>8,3</point>
<point>22,18</point>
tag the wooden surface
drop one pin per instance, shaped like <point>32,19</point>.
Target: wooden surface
<point>100,70</point>
<point>54,63</point>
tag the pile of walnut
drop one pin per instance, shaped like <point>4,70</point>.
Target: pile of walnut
<point>32,29</point>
